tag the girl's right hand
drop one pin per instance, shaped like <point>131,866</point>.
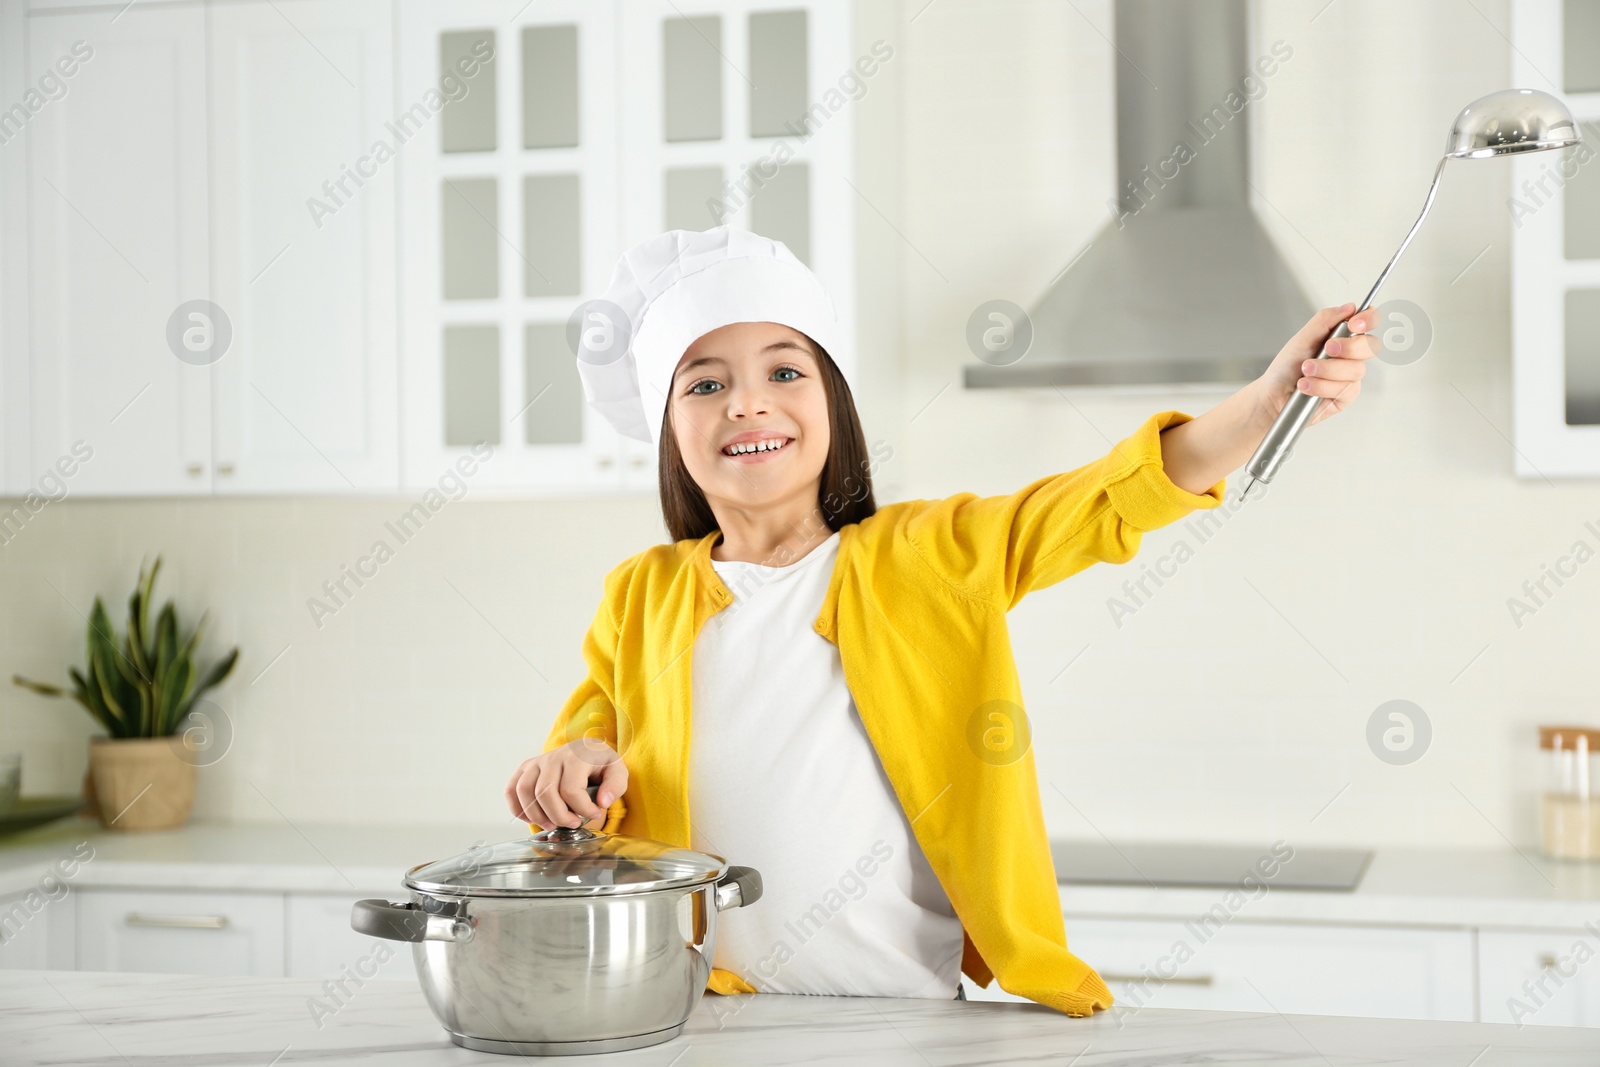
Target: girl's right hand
<point>552,789</point>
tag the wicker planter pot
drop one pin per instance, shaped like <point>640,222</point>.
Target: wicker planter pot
<point>140,783</point>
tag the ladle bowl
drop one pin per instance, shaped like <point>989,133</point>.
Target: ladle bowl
<point>1500,124</point>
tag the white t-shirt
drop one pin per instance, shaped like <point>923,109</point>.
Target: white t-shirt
<point>783,778</point>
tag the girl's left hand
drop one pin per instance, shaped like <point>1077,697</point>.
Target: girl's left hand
<point>1337,379</point>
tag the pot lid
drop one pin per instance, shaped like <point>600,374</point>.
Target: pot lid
<point>566,861</point>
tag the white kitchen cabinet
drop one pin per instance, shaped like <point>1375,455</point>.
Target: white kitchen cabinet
<point>1380,972</point>
<point>322,945</point>
<point>150,189</point>
<point>394,243</point>
<point>303,235</point>
<point>24,937</point>
<point>733,112</point>
<point>1548,978</point>
<point>116,215</point>
<point>491,282</point>
<point>180,932</point>
<point>509,221</point>
<point>1555,251</point>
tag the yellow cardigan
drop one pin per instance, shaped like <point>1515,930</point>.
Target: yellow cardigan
<point>917,607</point>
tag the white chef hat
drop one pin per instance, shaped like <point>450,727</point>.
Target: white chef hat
<point>669,291</point>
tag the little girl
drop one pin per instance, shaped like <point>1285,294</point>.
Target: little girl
<point>824,689</point>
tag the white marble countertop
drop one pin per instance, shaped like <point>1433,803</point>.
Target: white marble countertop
<point>1498,888</point>
<point>241,856</point>
<point>130,1020</point>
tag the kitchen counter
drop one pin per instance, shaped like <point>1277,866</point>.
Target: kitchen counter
<point>54,1017</point>
<point>1490,887</point>
<point>304,858</point>
<point>1405,887</point>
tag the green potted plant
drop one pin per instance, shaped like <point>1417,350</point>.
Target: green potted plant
<point>141,776</point>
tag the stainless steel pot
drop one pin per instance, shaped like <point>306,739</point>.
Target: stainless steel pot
<point>568,941</point>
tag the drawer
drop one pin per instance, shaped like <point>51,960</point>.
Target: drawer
<point>1378,972</point>
<point>322,945</point>
<point>180,932</point>
<point>1542,978</point>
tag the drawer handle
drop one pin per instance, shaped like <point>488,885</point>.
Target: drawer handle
<point>1548,961</point>
<point>1156,979</point>
<point>177,922</point>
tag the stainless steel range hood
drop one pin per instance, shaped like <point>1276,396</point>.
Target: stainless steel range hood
<point>1183,285</point>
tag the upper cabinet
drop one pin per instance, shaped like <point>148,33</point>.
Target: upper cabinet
<point>116,217</point>
<point>570,132</point>
<point>1555,278</point>
<point>333,246</point>
<point>212,267</point>
<point>304,247</point>
<point>743,113</point>
<point>509,221</point>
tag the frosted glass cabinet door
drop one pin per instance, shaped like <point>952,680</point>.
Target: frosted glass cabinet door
<point>1555,250</point>
<point>304,237</point>
<point>509,221</point>
<point>735,114</point>
<point>117,206</point>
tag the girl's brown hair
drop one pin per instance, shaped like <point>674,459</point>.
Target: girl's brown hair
<point>843,497</point>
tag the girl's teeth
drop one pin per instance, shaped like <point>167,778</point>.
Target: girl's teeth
<point>760,446</point>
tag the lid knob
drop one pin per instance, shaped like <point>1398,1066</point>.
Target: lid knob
<point>580,832</point>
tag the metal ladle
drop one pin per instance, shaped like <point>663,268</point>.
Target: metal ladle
<point>1511,120</point>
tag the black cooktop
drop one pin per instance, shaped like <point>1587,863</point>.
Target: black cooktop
<point>1154,864</point>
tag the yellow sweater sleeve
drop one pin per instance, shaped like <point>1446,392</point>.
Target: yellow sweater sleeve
<point>726,982</point>
<point>999,548</point>
<point>590,712</point>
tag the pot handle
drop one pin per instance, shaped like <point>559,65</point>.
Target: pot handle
<point>406,922</point>
<point>739,888</point>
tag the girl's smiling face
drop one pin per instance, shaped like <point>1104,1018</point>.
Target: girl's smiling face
<point>749,414</point>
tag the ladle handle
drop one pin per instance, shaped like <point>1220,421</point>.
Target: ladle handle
<point>1278,445</point>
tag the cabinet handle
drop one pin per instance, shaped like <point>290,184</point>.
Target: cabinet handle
<point>637,461</point>
<point>195,470</point>
<point>177,922</point>
<point>1156,979</point>
<point>225,469</point>
<point>1548,961</point>
<point>604,461</point>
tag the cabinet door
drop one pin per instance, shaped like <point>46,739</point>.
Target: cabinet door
<point>1228,965</point>
<point>117,203</point>
<point>303,237</point>
<point>1555,251</point>
<point>181,933</point>
<point>1544,977</point>
<point>510,219</point>
<point>738,115</point>
<point>322,945</point>
<point>23,932</point>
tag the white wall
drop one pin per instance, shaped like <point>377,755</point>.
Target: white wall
<point>1390,543</point>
